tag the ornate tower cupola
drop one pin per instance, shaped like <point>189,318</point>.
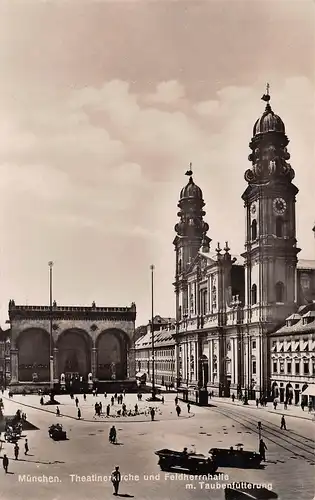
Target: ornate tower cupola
<point>270,246</point>
<point>191,230</point>
<point>269,149</point>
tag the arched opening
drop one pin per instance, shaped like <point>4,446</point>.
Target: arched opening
<point>33,355</point>
<point>74,354</point>
<point>254,230</point>
<point>254,294</point>
<point>279,227</point>
<point>112,349</point>
<point>275,390</point>
<point>289,393</point>
<point>279,292</point>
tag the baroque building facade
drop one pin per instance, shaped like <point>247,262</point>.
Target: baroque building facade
<point>228,307</point>
<point>83,341</point>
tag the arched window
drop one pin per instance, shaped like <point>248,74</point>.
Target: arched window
<point>279,291</point>
<point>279,227</point>
<point>254,230</point>
<point>180,266</point>
<point>254,294</point>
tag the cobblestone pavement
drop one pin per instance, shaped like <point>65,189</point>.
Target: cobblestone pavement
<point>87,454</point>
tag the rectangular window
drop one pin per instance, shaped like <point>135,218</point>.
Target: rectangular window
<point>297,368</point>
<point>254,344</point>
<point>306,368</point>
<point>289,367</point>
<point>254,367</point>
<point>313,368</point>
<point>281,367</point>
<point>275,367</point>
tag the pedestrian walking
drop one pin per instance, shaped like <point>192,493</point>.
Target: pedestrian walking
<point>275,404</point>
<point>233,398</point>
<point>162,400</point>
<point>26,448</point>
<point>16,451</point>
<point>188,407</point>
<point>285,405</point>
<point>116,478</point>
<point>5,463</point>
<point>262,450</point>
<point>257,403</point>
<point>79,413</point>
<point>76,402</point>
<point>84,397</point>
<point>152,413</point>
<point>112,400</point>
<point>57,411</point>
<point>178,410</point>
<point>107,410</point>
<point>283,424</point>
<point>176,401</point>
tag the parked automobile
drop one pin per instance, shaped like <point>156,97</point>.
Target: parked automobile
<point>57,433</point>
<point>235,457</point>
<point>190,462</point>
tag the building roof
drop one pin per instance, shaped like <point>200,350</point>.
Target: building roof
<point>159,320</point>
<point>299,327</point>
<point>306,264</point>
<point>161,338</point>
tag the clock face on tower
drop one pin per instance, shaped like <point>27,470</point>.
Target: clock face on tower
<point>279,206</point>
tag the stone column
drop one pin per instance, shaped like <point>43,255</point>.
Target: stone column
<point>196,362</point>
<point>210,362</point>
<point>131,363</point>
<point>14,365</point>
<point>56,370</point>
<point>94,362</point>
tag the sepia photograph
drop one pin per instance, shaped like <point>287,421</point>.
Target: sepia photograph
<point>157,255</point>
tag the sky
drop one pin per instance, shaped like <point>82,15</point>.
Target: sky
<point>104,104</point>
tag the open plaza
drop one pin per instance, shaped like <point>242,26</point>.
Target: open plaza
<point>80,467</point>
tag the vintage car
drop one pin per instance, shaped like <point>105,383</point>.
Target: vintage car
<point>188,462</point>
<point>11,436</point>
<point>249,491</point>
<point>57,433</point>
<point>235,457</point>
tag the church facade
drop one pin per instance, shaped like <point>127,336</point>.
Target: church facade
<point>95,342</point>
<point>227,306</point>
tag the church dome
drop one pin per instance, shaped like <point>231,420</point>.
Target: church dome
<point>269,121</point>
<point>191,190</point>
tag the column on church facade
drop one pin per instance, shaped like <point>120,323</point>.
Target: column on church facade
<point>234,359</point>
<point>210,361</point>
<point>196,361</point>
<point>258,364</point>
<point>14,365</point>
<point>189,353</point>
<point>217,354</point>
<point>56,370</point>
<point>184,356</point>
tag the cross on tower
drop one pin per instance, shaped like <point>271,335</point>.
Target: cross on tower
<point>189,172</point>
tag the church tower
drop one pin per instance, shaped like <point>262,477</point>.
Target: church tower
<point>190,237</point>
<point>270,246</point>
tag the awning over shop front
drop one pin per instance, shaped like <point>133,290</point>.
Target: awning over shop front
<point>309,391</point>
<point>141,374</point>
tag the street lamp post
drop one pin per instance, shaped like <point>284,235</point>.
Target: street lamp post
<point>51,357</point>
<point>152,330</point>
